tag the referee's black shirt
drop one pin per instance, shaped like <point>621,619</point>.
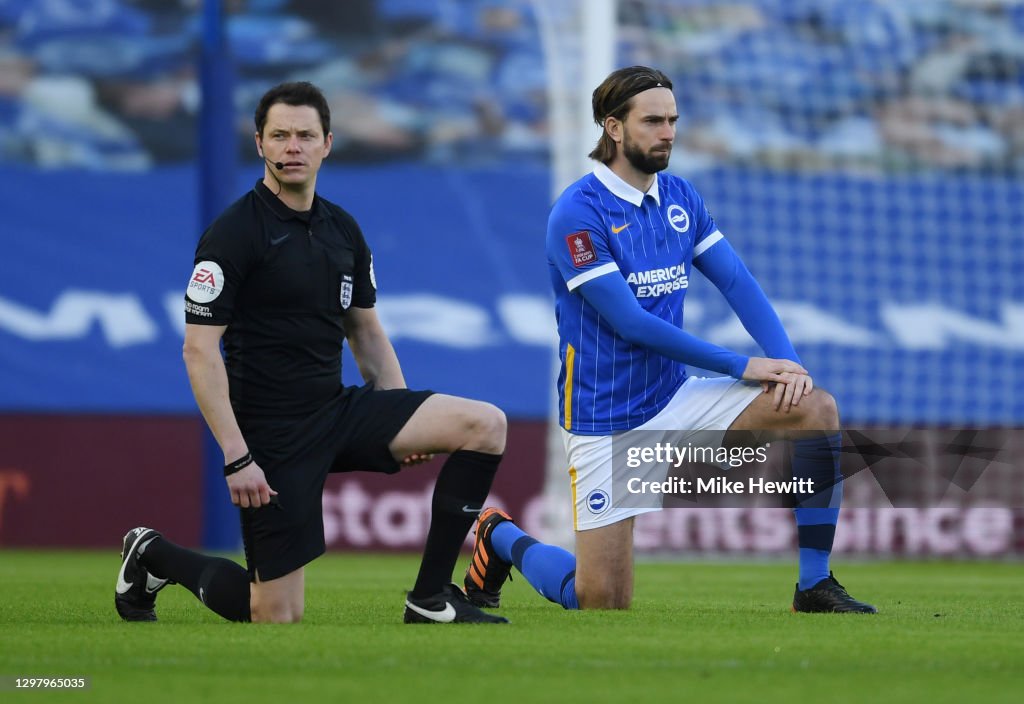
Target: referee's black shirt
<point>281,281</point>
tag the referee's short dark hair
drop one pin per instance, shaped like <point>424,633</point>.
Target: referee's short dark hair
<point>295,93</point>
<point>614,98</point>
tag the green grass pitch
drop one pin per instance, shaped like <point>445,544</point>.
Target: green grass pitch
<point>698,632</point>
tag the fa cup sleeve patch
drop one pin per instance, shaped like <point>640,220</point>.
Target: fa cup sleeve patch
<point>581,249</point>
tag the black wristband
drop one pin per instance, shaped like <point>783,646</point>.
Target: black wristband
<point>241,463</point>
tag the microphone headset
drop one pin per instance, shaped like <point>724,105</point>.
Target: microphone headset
<point>279,165</point>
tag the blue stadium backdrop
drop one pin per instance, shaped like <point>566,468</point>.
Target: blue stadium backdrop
<point>908,314</point>
<point>864,157</point>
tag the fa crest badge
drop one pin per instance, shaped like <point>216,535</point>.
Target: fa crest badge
<point>346,291</point>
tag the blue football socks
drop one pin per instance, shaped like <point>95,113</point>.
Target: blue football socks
<point>817,459</point>
<point>549,569</point>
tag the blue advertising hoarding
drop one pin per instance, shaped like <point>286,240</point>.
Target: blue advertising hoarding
<point>907,313</point>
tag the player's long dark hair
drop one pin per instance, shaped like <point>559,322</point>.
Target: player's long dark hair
<point>614,98</point>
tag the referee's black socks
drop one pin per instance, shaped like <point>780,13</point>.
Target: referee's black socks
<point>222,585</point>
<point>459,495</point>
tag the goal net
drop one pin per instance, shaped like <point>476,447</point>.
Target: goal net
<point>864,158</point>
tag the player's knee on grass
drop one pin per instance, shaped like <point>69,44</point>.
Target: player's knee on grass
<point>603,593</point>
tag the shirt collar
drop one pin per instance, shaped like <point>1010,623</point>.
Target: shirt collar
<point>623,190</point>
<point>282,211</point>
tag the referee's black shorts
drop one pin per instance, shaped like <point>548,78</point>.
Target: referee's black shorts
<point>350,433</point>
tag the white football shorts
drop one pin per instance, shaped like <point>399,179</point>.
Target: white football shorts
<point>700,404</point>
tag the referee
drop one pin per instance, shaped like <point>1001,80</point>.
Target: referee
<point>283,277</point>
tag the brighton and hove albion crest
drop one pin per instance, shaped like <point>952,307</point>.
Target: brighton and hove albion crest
<point>678,218</point>
<point>598,501</point>
<point>346,291</point>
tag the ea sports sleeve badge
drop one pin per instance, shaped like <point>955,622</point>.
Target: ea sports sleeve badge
<point>205,285</point>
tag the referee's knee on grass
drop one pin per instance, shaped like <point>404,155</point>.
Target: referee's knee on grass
<point>275,612</point>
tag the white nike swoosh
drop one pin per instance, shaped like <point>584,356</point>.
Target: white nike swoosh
<point>154,584</point>
<point>445,615</point>
<point>123,586</point>
<point>467,509</point>
<point>202,595</point>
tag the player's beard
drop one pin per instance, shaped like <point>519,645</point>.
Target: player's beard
<point>650,162</point>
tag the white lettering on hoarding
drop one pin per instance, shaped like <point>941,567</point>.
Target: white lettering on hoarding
<point>120,316</point>
<point>527,320</point>
<point>355,517</point>
<point>934,327</point>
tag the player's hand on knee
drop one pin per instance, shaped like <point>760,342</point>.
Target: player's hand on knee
<point>249,488</point>
<point>787,393</point>
<point>766,369</point>
<point>803,386</point>
<point>417,459</point>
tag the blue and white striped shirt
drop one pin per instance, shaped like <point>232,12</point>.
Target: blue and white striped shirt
<point>602,226</point>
